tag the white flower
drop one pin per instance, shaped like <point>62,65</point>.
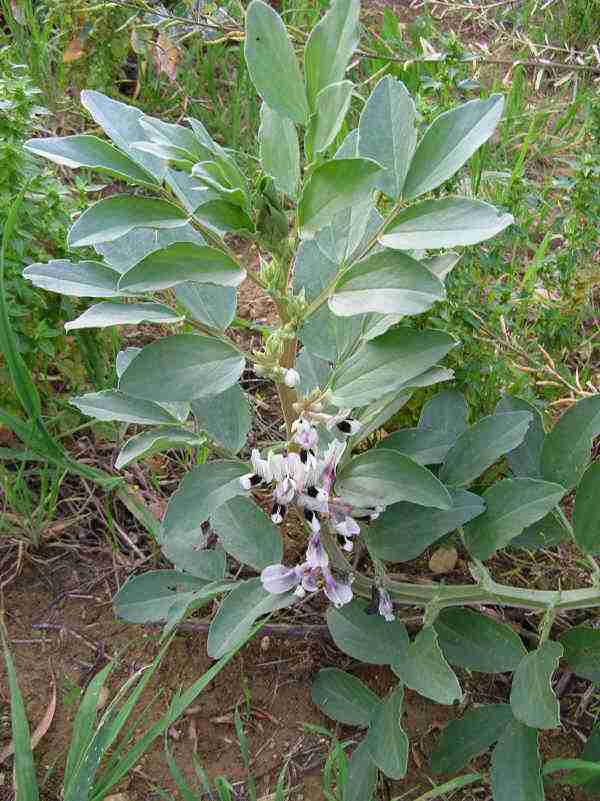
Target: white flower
<point>331,459</point>
<point>343,423</point>
<point>279,578</point>
<point>386,607</point>
<point>291,378</point>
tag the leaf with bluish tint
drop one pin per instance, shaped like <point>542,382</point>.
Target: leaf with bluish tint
<point>279,150</point>
<point>532,699</point>
<point>209,304</point>
<point>477,642</point>
<point>586,513</point>
<point>117,215</point>
<point>343,697</point>
<point>516,766</point>
<point>225,417</point>
<point>156,441</point>
<point>247,534</point>
<point>84,279</point>
<point>182,367</point>
<point>425,669</point>
<point>451,139</point>
<point>566,449</point>
<point>463,739</point>
<point>272,63</point>
<point>386,741</point>
<point>444,223</point>
<point>422,445</point>
<point>368,638</point>
<point>331,107</point>
<point>525,459</point>
<point>388,133</point>
<point>103,315</point>
<point>113,405</point>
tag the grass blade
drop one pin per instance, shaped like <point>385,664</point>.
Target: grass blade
<point>25,778</point>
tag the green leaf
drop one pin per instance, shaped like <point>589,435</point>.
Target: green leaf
<point>223,217</point>
<point>331,107</point>
<point>225,417</point>
<point>148,597</point>
<point>422,445</point>
<point>463,739</point>
<point>88,151</point>
<point>343,697</point>
<point>383,477</point>
<point>247,534</point>
<point>405,530</point>
<point>279,150</point>
<point>368,638</point>
<point>449,142</point>
<point>330,46</point>
<point>387,133</point>
<point>121,123</point>
<point>178,136</point>
<point>330,337</point>
<point>566,450</point>
<point>545,533</point>
<point>444,223</point>
<point>333,187</point>
<point>181,262</point>
<point>182,367</point>
<point>362,775</point>
<point>238,612</point>
<point>103,315</point>
<point>111,404</point>
<point>156,441</point>
<point>373,416</point>
<point>586,513</point>
<point>84,279</point>
<point>272,64</point>
<point>582,651</point>
<point>481,445</point>
<point>124,253</point>
<point>446,411</point>
<point>425,669</point>
<point>532,699</point>
<point>386,740</point>
<point>442,264</point>
<point>477,642</point>
<point>515,771</point>
<point>511,506</point>
<point>525,460</point>
<point>117,215</point>
<point>211,305</point>
<point>388,282</point>
<point>24,767</point>
<point>314,372</point>
<point>200,494</point>
<point>385,364</point>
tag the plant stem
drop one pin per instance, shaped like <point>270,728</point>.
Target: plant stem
<point>485,591</point>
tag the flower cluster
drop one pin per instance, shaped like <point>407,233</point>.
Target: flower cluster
<point>304,476</point>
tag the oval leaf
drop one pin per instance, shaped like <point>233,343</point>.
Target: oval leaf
<point>368,638</point>
<point>344,697</point>
<point>405,530</point>
<point>182,367</point>
<point>117,215</point>
<point>148,597</point>
<point>113,405</point>
<point>279,150</point>
<point>387,133</point>
<point>238,613</point>
<point>463,739</point>
<point>582,651</point>
<point>425,669</point>
<point>422,445</point>
<point>382,477</point>
<point>386,740</point>
<point>480,446</point>
<point>444,223</point>
<point>103,315</point>
<point>362,775</point>
<point>333,187</point>
<point>446,411</point>
<point>387,282</point>
<point>84,279</point>
<point>385,364</point>
<point>157,441</point>
<point>83,150</point>
<point>330,46</point>
<point>225,417</point>
<point>586,514</point>
<point>332,106</point>
<point>475,641</point>
<point>525,460</point>
<point>247,534</point>
<point>511,506</point>
<point>516,765</point>
<point>213,306</point>
<point>532,699</point>
<point>566,450</point>
<point>272,63</point>
<point>450,141</point>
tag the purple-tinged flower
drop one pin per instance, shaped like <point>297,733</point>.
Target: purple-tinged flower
<point>279,578</point>
<point>284,491</point>
<point>331,459</point>
<point>385,607</point>
<point>316,555</point>
<point>312,518</point>
<point>348,528</point>
<point>305,434</point>
<point>338,592</point>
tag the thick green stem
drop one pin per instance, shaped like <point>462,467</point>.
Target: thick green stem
<point>485,591</point>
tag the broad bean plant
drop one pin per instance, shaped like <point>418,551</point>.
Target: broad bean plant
<point>353,231</point>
